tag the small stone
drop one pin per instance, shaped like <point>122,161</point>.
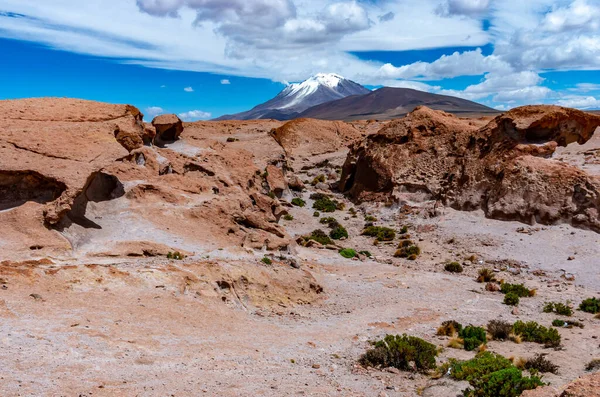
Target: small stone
<point>515,311</point>
<point>37,297</point>
<point>316,366</point>
<point>571,258</point>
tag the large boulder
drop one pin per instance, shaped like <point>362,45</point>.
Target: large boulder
<point>504,168</point>
<point>168,127</point>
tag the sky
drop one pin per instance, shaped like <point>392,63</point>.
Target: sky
<point>205,58</point>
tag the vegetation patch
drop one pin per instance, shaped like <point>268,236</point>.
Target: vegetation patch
<point>326,204</point>
<point>298,202</point>
<point>266,260</point>
<point>540,364</point>
<point>319,236</point>
<point>406,353</point>
<point>558,308</point>
<point>338,233</point>
<point>593,365</point>
<point>330,222</point>
<point>288,217</point>
<point>590,305</point>
<point>410,252</point>
<point>453,267</point>
<point>449,328</point>
<point>499,330</point>
<point>366,253</point>
<point>380,233</point>
<point>175,255</point>
<point>486,275</point>
<point>511,299</point>
<point>567,323</point>
<point>316,214</point>
<point>348,253</point>
<point>533,332</point>
<point>370,218</point>
<point>318,179</point>
<point>473,337</point>
<point>518,289</point>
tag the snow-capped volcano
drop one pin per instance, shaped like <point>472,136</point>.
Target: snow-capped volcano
<point>296,98</point>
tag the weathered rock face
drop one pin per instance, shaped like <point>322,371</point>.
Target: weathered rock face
<point>168,127</point>
<point>503,167</point>
<point>586,386</point>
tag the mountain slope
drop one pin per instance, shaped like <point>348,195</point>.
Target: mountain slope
<point>389,103</point>
<point>296,98</point>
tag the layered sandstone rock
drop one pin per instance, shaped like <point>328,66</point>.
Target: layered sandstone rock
<point>503,167</point>
<point>586,386</point>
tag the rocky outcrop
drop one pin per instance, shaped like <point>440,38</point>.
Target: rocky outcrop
<point>168,127</point>
<point>586,386</point>
<point>504,168</point>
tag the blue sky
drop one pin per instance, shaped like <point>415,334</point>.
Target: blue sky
<point>205,58</point>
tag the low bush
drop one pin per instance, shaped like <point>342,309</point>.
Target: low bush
<point>320,237</point>
<point>370,218</point>
<point>486,275</point>
<point>298,202</point>
<point>348,253</point>
<point>567,323</point>
<point>533,332</point>
<point>405,243</point>
<point>401,352</point>
<point>175,255</point>
<point>338,233</point>
<point>540,364</point>
<point>316,214</point>
<point>499,330</point>
<point>366,253</point>
<point>380,233</point>
<point>558,308</point>
<point>408,252</point>
<point>593,365</point>
<point>266,260</point>
<point>449,328</point>
<point>288,217</point>
<point>453,267</point>
<point>318,196</point>
<point>473,337</point>
<point>518,289</point>
<point>325,204</point>
<point>318,179</point>
<point>511,299</point>
<point>590,305</point>
<point>404,230</point>
<point>329,221</point>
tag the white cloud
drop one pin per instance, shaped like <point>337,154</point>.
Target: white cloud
<point>225,82</point>
<point>153,111</point>
<point>194,115</point>
<point>188,89</point>
<point>463,7</point>
<point>580,102</point>
<point>585,87</point>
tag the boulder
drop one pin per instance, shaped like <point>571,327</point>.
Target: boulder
<point>168,127</point>
<point>276,180</point>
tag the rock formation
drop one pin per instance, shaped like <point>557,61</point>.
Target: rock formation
<point>504,168</point>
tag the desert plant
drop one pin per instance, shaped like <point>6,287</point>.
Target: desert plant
<point>266,260</point>
<point>593,365</point>
<point>449,328</point>
<point>272,195</point>
<point>380,233</point>
<point>370,218</point>
<point>316,214</point>
<point>456,342</point>
<point>486,275</point>
<point>499,330</point>
<point>325,204</point>
<point>407,252</point>
<point>401,352</point>
<point>558,308</point>
<point>288,217</point>
<point>533,332</point>
<point>404,230</point>
<point>175,255</point>
<point>320,237</point>
<point>338,233</point>
<point>518,289</point>
<point>329,221</point>
<point>590,305</point>
<point>298,202</point>
<point>453,267</point>
<point>511,299</point>
<point>318,179</point>
<point>473,337</point>
<point>567,323</point>
<point>366,253</point>
<point>541,364</point>
<point>348,253</point>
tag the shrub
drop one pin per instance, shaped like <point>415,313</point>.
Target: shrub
<point>401,352</point>
<point>380,233</point>
<point>320,237</point>
<point>486,275</point>
<point>492,375</point>
<point>473,337</point>
<point>558,308</point>
<point>499,330</point>
<point>404,229</point>
<point>449,328</point>
<point>288,217</point>
<point>318,179</point>
<point>370,218</point>
<point>453,267</point>
<point>338,233</point>
<point>266,260</point>
<point>407,252</point>
<point>590,305</point>
<point>318,196</point>
<point>325,204</point>
<point>412,257</point>
<point>348,253</point>
<point>298,202</point>
<point>533,332</point>
<point>593,365</point>
<point>316,214</point>
<point>567,323</point>
<point>518,289</point>
<point>175,255</point>
<point>366,253</point>
<point>272,195</point>
<point>329,221</point>
<point>541,364</point>
<point>511,299</point>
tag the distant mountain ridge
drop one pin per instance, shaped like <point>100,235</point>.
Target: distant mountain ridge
<point>332,97</point>
<point>296,98</point>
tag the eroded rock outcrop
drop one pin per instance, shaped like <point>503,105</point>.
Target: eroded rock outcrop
<point>168,127</point>
<point>504,167</point>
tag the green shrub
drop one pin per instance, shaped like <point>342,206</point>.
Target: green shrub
<point>540,364</point>
<point>558,308</point>
<point>338,233</point>
<point>370,218</point>
<point>325,204</point>
<point>518,289</point>
<point>316,214</point>
<point>449,328</point>
<point>473,337</point>
<point>590,305</point>
<point>288,217</point>
<point>318,179</point>
<point>348,253</point>
<point>593,365</point>
<point>453,267</point>
<point>401,352</point>
<point>366,253</point>
<point>405,243</point>
<point>266,260</point>
<point>567,323</point>
<point>380,233</point>
<point>486,275</point>
<point>320,237</point>
<point>511,299</point>
<point>534,332</point>
<point>499,330</point>
<point>491,375</point>
<point>404,229</point>
<point>408,252</point>
<point>329,221</point>
<point>298,202</point>
<point>175,255</point>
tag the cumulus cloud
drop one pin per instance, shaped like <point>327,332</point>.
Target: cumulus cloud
<point>153,111</point>
<point>225,82</point>
<point>194,115</point>
<point>585,87</point>
<point>577,16</point>
<point>463,7</point>
<point>188,89</point>
<point>580,102</point>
